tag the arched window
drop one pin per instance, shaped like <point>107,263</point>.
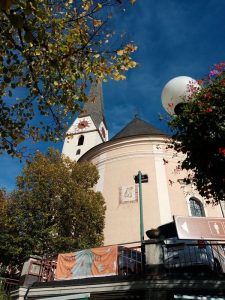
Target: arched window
<point>196,207</point>
<point>78,152</point>
<point>81,140</point>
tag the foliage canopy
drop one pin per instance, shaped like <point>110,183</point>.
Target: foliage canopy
<point>199,133</point>
<point>54,209</point>
<point>50,51</point>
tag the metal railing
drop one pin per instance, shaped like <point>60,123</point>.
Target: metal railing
<point>193,255</point>
<point>130,262</point>
<point>47,270</point>
<point>175,253</point>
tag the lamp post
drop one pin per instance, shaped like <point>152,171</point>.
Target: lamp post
<point>176,92</point>
<point>141,178</point>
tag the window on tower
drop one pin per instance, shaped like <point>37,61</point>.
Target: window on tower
<point>81,140</point>
<point>78,152</point>
<point>196,207</point>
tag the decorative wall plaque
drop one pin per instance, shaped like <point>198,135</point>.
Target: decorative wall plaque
<point>128,194</point>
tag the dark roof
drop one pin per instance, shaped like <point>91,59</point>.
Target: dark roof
<point>94,107</point>
<point>138,127</point>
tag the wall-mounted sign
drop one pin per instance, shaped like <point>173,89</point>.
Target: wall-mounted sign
<point>200,228</point>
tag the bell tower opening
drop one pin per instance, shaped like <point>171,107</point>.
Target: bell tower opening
<point>80,141</point>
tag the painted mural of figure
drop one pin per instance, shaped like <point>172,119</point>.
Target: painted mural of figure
<point>83,267</point>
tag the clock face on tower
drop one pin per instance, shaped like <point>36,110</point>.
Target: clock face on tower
<point>83,124</point>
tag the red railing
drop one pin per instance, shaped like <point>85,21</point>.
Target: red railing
<point>47,270</point>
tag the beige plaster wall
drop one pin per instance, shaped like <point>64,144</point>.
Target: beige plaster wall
<point>163,196</point>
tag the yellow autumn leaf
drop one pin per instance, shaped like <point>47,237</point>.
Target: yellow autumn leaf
<point>120,52</point>
<point>119,77</point>
<point>131,47</point>
<point>37,52</point>
<point>124,68</point>
<point>132,64</point>
<point>99,6</point>
<point>86,6</point>
<point>97,23</point>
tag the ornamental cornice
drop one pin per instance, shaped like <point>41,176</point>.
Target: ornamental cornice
<point>159,148</point>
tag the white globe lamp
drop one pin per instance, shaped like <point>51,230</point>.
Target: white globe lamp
<point>177,91</point>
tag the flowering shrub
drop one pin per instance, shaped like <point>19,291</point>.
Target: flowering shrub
<point>199,132</point>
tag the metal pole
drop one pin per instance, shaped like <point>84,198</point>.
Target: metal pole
<point>141,207</point>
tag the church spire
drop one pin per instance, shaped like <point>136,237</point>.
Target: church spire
<point>94,107</point>
<point>89,129</point>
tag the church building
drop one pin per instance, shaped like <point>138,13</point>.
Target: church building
<point>138,147</point>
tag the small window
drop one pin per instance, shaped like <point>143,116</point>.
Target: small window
<point>78,152</point>
<point>222,205</point>
<point>81,140</point>
<point>196,207</point>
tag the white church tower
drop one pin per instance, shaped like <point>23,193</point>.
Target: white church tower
<point>90,128</point>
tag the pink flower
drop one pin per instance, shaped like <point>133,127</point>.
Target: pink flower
<point>213,73</point>
<point>220,66</point>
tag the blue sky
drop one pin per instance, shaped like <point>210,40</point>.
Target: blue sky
<point>174,38</point>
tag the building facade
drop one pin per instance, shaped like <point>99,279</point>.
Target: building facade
<point>137,147</point>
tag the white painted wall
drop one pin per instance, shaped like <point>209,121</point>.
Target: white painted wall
<point>92,137</point>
